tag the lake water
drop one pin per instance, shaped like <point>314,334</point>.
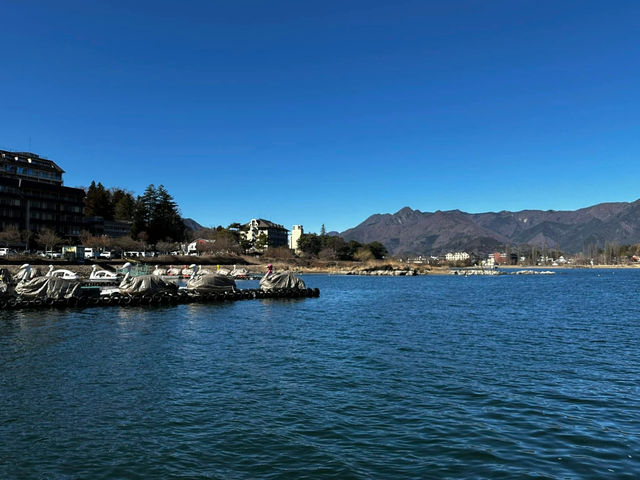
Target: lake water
<point>403,378</point>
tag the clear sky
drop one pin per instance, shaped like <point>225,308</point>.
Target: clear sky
<point>310,112</point>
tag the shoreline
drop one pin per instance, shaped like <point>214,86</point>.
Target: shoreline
<point>566,267</point>
<point>298,266</point>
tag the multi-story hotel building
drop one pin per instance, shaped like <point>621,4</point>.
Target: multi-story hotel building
<point>32,196</point>
<point>277,235</point>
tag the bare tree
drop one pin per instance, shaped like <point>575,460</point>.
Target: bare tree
<point>226,244</point>
<point>26,236</point>
<point>10,236</point>
<point>207,248</point>
<point>94,241</point>
<point>86,238</point>
<point>143,238</point>
<point>48,238</point>
<point>166,247</point>
<point>126,244</point>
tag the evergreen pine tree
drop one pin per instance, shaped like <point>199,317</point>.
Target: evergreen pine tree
<point>98,202</point>
<point>156,213</point>
<point>90,200</point>
<point>104,206</point>
<point>143,212</point>
<point>123,204</point>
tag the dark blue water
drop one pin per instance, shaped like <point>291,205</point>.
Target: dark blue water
<point>403,378</point>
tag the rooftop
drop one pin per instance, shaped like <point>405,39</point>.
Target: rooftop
<point>31,166</point>
<point>262,223</point>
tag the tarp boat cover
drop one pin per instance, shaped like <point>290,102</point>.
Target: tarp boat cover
<point>239,272</point>
<point>146,285</point>
<point>25,272</point>
<point>211,283</point>
<point>281,280</point>
<point>49,287</point>
<point>6,283</point>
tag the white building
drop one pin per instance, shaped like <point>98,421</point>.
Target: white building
<point>456,257</point>
<point>296,232</point>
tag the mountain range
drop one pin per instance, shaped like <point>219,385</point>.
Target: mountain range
<point>411,231</point>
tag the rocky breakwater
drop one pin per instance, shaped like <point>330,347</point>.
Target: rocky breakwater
<point>534,272</point>
<point>380,270</point>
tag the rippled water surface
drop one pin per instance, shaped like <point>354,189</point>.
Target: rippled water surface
<point>403,378</point>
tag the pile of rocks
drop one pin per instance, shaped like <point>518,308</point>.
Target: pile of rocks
<point>385,270</point>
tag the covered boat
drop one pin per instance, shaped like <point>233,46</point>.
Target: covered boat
<point>144,284</point>
<point>48,287</point>
<point>284,279</point>
<point>209,282</point>
<point>6,283</point>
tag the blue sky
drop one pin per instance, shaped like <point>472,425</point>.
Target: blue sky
<point>312,112</point>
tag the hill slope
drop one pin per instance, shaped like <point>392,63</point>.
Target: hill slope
<point>414,232</point>
<point>191,225</point>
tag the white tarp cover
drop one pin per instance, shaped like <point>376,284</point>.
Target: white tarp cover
<point>239,272</point>
<point>146,285</point>
<point>281,280</point>
<point>211,283</point>
<point>26,272</point>
<point>49,287</point>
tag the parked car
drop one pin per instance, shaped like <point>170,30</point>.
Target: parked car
<point>105,254</point>
<point>7,252</point>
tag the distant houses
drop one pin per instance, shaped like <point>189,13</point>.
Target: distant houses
<point>457,257</point>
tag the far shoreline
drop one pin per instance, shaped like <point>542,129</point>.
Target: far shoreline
<point>567,267</point>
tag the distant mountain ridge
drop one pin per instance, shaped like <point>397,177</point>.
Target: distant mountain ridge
<point>411,231</point>
<point>191,225</point>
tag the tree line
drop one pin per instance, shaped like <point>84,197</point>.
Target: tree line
<point>110,204</point>
<point>333,247</point>
<point>154,215</point>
